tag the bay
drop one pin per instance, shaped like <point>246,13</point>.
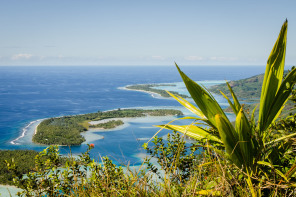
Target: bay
<point>30,93</point>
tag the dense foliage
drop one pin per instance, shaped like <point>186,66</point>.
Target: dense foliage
<point>174,156</point>
<point>61,131</point>
<point>107,125</point>
<point>66,130</point>
<point>78,177</point>
<point>23,158</point>
<point>249,88</point>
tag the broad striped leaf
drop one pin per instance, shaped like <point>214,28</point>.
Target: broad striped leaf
<point>187,105</point>
<point>184,118</point>
<point>244,132</point>
<point>273,77</point>
<point>280,99</point>
<point>192,131</point>
<point>253,115</point>
<point>236,103</point>
<point>230,140</point>
<point>235,111</point>
<point>203,99</point>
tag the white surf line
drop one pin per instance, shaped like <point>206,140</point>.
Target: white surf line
<point>25,129</point>
<point>153,94</point>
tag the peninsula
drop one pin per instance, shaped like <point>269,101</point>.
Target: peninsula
<point>150,88</point>
<point>67,130</point>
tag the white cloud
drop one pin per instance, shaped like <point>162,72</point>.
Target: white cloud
<point>21,56</point>
<point>193,58</point>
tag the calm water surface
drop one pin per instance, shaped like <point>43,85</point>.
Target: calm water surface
<point>31,93</point>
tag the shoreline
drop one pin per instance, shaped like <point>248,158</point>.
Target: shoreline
<point>153,94</point>
<point>26,129</point>
<point>92,134</point>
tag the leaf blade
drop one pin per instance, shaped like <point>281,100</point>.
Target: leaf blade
<point>273,76</point>
<point>192,131</point>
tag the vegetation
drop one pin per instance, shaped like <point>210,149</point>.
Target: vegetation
<point>78,177</point>
<point>174,157</point>
<point>248,158</point>
<point>67,130</point>
<point>61,131</point>
<point>150,88</point>
<point>24,159</point>
<point>249,88</point>
<point>248,91</point>
<point>108,125</point>
<point>263,156</point>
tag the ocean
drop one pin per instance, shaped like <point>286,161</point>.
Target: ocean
<point>32,93</point>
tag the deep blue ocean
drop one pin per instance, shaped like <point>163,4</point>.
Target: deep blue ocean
<point>31,93</point>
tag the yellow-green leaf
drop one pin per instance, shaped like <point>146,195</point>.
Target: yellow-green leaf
<point>188,105</point>
<point>273,77</point>
<point>203,99</point>
<point>244,132</point>
<point>230,140</point>
<point>209,193</point>
<point>192,131</point>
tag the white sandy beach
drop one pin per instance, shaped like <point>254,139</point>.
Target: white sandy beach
<point>153,94</point>
<point>27,133</point>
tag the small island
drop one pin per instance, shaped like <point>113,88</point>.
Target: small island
<point>67,130</point>
<point>150,89</point>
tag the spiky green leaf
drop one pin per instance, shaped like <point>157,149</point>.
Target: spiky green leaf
<point>203,99</point>
<point>280,99</point>
<point>273,77</point>
<point>188,105</point>
<point>244,133</point>
<point>230,140</point>
<point>192,131</point>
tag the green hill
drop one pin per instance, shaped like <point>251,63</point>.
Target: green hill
<point>249,88</point>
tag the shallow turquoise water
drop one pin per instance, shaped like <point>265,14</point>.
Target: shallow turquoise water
<point>28,94</point>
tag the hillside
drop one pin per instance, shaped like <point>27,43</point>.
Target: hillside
<point>249,88</point>
<point>249,91</point>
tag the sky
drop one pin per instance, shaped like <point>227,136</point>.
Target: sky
<point>143,32</point>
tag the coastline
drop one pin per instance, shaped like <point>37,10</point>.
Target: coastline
<point>29,129</point>
<point>153,94</point>
<point>89,135</point>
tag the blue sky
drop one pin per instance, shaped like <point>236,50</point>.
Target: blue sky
<point>138,32</point>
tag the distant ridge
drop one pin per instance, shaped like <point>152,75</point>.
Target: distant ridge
<point>249,88</point>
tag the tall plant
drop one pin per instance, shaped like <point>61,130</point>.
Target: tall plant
<point>247,144</point>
